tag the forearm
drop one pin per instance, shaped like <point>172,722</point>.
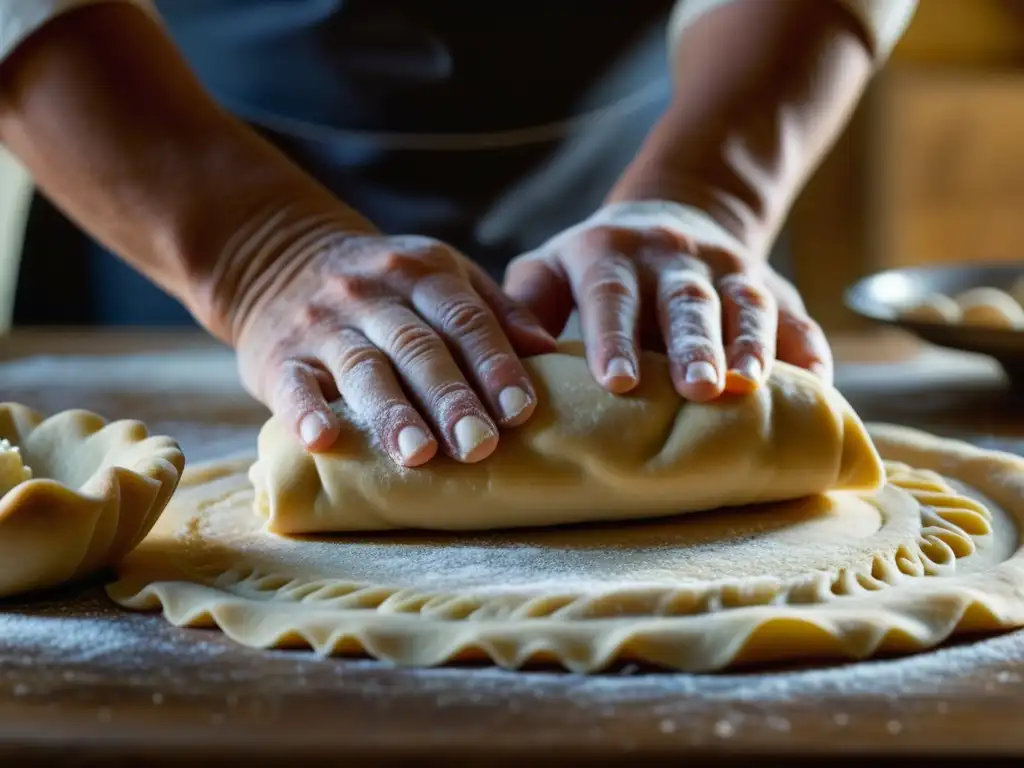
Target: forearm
<point>762,90</point>
<point>107,117</point>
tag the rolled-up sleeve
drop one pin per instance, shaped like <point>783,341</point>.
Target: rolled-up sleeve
<point>20,19</point>
<point>885,21</point>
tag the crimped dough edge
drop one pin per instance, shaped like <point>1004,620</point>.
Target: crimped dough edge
<point>919,614</point>
<point>52,532</point>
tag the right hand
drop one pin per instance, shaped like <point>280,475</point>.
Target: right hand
<point>422,346</point>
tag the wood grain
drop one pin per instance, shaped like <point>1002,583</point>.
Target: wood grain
<point>951,168</point>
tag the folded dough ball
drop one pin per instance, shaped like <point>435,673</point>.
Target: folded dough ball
<point>990,308</point>
<point>79,493</point>
<point>585,455</point>
<point>937,308</point>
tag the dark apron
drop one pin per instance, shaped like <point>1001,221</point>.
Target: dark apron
<point>488,125</point>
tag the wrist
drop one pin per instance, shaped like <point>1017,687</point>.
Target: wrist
<point>696,199</point>
<point>104,112</point>
<point>239,246</point>
<point>694,221</point>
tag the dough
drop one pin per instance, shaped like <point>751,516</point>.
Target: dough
<point>86,494</point>
<point>990,308</point>
<point>13,471</point>
<point>843,575</point>
<point>585,455</point>
<point>937,308</point>
<point>1017,291</point>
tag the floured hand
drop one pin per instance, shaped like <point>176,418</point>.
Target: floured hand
<point>422,346</point>
<point>655,274</point>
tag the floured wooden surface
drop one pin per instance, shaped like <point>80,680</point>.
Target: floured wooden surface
<point>193,395</point>
<point>85,678</point>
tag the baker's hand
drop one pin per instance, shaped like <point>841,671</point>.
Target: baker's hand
<point>423,347</point>
<point>654,274</point>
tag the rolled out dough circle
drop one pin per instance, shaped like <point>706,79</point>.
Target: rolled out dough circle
<point>843,577</point>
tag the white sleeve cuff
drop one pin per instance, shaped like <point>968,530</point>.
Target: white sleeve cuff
<point>19,19</point>
<point>885,21</point>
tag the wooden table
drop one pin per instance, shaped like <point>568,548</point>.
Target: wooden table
<point>82,682</point>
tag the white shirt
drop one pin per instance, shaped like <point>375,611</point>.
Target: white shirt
<point>19,19</point>
<point>884,20</point>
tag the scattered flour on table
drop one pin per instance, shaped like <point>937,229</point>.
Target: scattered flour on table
<point>85,643</point>
<point>185,371</point>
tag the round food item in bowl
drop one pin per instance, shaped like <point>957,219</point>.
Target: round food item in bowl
<point>990,308</point>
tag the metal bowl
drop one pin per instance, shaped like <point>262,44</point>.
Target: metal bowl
<point>882,297</point>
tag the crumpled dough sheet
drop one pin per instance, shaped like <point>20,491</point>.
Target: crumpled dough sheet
<point>96,489</point>
<point>584,456</point>
<point>843,576</point>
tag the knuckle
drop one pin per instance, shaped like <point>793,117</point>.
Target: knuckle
<point>287,387</point>
<point>280,361</point>
<point>461,315</point>
<point>610,278</point>
<point>411,344</point>
<point>416,256</point>
<point>750,344</point>
<point>608,237</point>
<point>358,360</point>
<point>283,381</point>
<point>745,292</point>
<point>491,362</point>
<point>691,350</point>
<point>615,340</point>
<point>349,288</point>
<point>685,326</point>
<point>395,262</point>
<point>665,238</point>
<point>724,261</point>
<point>315,315</point>
<point>687,287</point>
<point>446,396</point>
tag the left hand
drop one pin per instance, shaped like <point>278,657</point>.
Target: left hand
<point>664,277</point>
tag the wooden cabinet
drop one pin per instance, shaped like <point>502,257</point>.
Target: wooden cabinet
<point>948,168</point>
<point>931,168</point>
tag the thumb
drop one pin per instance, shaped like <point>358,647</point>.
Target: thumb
<point>543,288</point>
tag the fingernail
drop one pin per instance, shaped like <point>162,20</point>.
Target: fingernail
<point>470,433</point>
<point>821,371</point>
<point>620,368</point>
<point>312,426</point>
<point>513,401</point>
<point>750,368</point>
<point>701,372</point>
<point>412,440</point>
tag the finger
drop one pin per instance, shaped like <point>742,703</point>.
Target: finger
<point>690,316</point>
<point>606,288</point>
<point>374,397</point>
<point>297,398</point>
<point>521,326</point>
<point>431,376</point>
<point>543,288</point>
<point>750,320</point>
<point>802,342</point>
<point>458,313</point>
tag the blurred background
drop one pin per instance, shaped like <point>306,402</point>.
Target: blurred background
<point>931,170</point>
